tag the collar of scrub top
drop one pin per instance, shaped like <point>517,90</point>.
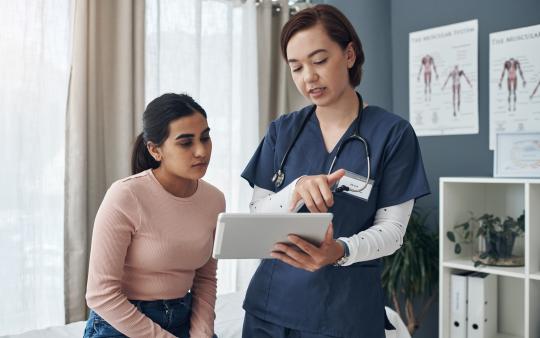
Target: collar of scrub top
<point>279,175</point>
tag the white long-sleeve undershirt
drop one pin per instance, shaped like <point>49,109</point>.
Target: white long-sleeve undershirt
<point>383,238</point>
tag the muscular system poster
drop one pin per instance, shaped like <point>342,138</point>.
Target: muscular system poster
<point>443,79</point>
<point>514,81</point>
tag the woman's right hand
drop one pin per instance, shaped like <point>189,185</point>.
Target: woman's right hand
<point>315,191</point>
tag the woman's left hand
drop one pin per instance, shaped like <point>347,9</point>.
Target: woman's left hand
<point>309,257</point>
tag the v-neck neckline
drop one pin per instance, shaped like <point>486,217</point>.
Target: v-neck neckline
<point>343,136</point>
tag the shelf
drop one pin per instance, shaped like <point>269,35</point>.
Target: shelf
<point>488,180</point>
<point>533,231</point>
<point>518,288</point>
<point>535,275</point>
<point>468,265</point>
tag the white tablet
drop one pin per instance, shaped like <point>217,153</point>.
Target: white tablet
<point>245,235</point>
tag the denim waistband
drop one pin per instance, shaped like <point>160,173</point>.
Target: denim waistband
<point>167,303</point>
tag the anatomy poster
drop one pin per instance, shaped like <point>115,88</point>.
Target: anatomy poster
<point>514,80</point>
<point>443,80</point>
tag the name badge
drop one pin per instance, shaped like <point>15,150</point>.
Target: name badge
<point>355,182</point>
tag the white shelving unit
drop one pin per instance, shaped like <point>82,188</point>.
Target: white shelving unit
<point>518,291</point>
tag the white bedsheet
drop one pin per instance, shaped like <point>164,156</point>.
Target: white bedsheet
<point>229,318</point>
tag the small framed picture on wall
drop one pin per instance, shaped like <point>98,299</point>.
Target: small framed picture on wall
<point>517,155</point>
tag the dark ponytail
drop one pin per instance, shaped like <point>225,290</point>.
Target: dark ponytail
<point>141,158</point>
<point>156,119</point>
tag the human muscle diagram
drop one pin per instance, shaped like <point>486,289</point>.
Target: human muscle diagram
<point>449,54</point>
<point>428,66</point>
<point>456,75</point>
<point>511,68</point>
<point>514,78</point>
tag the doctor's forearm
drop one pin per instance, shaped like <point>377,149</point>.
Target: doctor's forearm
<point>267,201</point>
<point>384,237</point>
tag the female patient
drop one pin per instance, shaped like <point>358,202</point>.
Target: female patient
<point>151,273</point>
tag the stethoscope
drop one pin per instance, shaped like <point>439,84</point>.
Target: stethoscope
<point>279,175</point>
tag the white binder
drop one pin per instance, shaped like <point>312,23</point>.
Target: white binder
<point>482,306</point>
<point>458,304</point>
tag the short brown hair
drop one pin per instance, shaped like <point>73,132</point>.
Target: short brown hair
<point>338,27</point>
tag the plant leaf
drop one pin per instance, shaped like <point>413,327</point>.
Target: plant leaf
<point>451,236</point>
<point>457,249</point>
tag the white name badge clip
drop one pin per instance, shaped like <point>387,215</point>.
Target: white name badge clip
<point>354,182</point>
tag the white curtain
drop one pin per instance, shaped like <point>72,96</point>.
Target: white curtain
<point>277,92</point>
<point>104,113</point>
<point>208,49</point>
<point>34,75</point>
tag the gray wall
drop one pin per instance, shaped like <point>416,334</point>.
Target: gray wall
<point>384,27</point>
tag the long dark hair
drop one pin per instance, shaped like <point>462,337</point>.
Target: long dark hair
<point>156,119</point>
<point>338,27</point>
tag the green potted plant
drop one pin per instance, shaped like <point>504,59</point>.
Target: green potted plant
<point>413,271</point>
<point>493,240</point>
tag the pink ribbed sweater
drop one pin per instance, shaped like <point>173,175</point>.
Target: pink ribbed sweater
<point>148,244</point>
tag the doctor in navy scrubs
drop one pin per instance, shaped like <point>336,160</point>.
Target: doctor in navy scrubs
<point>339,155</point>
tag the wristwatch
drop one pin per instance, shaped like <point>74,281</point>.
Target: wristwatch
<point>345,258</point>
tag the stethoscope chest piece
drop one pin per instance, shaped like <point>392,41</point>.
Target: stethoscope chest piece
<point>279,175</point>
<point>278,178</point>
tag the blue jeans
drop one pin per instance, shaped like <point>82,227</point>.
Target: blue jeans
<point>172,315</point>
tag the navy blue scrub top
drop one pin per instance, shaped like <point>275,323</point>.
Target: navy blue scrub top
<point>342,301</point>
